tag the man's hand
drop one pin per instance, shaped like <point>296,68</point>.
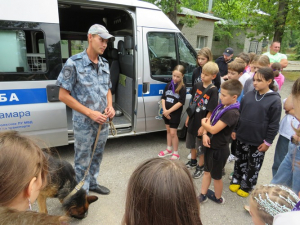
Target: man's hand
<point>206,141</point>
<point>110,112</point>
<point>263,147</point>
<point>98,117</point>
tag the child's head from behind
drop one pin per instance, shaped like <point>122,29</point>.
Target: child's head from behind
<point>264,79</point>
<point>276,67</point>
<point>235,69</point>
<point>230,90</point>
<point>203,56</point>
<point>177,76</point>
<point>245,57</point>
<point>23,170</point>
<point>209,72</point>
<point>260,61</point>
<point>161,191</point>
<point>266,201</point>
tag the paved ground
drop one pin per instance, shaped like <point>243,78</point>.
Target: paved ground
<point>121,157</point>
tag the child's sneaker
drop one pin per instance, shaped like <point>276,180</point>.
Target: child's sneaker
<point>231,158</point>
<point>211,195</point>
<point>191,165</point>
<point>202,198</point>
<point>198,172</point>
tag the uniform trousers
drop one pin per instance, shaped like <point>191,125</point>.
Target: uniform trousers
<point>85,137</point>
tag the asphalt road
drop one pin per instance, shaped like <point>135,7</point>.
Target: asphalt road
<point>121,157</point>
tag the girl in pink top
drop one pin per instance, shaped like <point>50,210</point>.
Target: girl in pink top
<point>278,75</point>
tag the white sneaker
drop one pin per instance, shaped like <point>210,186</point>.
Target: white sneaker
<point>231,158</point>
<point>189,156</point>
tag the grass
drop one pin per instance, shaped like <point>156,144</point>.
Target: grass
<point>291,75</point>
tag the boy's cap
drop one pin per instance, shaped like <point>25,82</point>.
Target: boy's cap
<point>101,31</point>
<point>228,51</point>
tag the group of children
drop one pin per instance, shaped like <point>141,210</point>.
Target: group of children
<point>250,124</point>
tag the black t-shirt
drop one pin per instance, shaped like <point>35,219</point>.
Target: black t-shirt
<point>171,99</point>
<point>221,139</point>
<point>206,104</point>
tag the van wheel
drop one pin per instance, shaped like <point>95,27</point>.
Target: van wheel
<point>182,133</point>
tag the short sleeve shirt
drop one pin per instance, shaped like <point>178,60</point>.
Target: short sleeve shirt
<point>173,98</point>
<point>85,84</point>
<point>275,58</point>
<point>221,139</point>
<point>206,104</point>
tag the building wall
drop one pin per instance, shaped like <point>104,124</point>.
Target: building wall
<point>239,43</point>
<point>202,28</point>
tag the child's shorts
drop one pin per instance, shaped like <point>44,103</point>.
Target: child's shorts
<point>192,141</point>
<point>214,162</point>
<point>172,125</point>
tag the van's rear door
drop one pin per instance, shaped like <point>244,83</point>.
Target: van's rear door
<point>30,62</point>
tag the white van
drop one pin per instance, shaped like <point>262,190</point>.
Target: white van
<point>37,37</point>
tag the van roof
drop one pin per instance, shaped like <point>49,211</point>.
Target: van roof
<point>132,3</point>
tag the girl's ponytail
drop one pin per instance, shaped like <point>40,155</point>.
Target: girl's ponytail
<point>276,67</point>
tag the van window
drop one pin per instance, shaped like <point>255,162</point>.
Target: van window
<point>187,58</point>
<point>162,54</point>
<point>76,46</point>
<point>22,52</point>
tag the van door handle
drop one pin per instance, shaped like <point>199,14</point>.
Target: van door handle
<point>146,87</point>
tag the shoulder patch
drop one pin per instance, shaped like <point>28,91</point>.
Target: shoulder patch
<point>67,72</point>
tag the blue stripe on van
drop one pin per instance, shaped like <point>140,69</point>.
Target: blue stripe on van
<point>155,90</point>
<point>23,96</point>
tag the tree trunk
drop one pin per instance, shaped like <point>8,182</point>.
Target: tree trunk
<point>279,23</point>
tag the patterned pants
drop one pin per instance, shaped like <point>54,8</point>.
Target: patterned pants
<point>85,136</point>
<point>247,166</point>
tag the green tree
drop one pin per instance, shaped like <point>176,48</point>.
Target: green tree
<point>171,8</point>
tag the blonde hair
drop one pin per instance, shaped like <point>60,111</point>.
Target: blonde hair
<point>20,161</point>
<point>181,69</point>
<point>206,52</point>
<point>237,65</point>
<point>262,60</point>
<point>211,68</point>
<point>161,191</point>
<point>271,200</point>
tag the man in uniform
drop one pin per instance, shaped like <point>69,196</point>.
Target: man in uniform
<point>275,56</point>
<point>223,61</point>
<point>85,87</point>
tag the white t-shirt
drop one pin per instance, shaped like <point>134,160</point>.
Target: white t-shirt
<point>285,128</point>
<point>244,77</point>
<point>288,218</point>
